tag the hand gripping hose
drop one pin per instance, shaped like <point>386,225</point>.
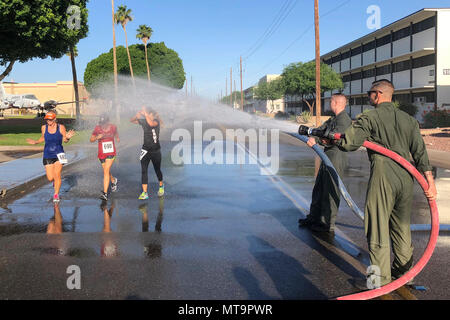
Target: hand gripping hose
<point>433,211</point>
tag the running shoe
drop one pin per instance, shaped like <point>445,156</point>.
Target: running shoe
<point>161,191</point>
<point>114,185</point>
<point>56,198</point>
<point>143,196</point>
<point>104,196</point>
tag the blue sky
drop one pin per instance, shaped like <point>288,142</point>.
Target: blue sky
<point>211,35</point>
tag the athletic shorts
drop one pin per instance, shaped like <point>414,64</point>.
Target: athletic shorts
<point>108,157</point>
<point>49,161</point>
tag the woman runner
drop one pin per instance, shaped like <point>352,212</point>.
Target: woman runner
<point>105,133</point>
<point>54,157</point>
<point>151,150</point>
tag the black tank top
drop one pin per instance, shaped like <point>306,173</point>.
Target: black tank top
<point>151,136</point>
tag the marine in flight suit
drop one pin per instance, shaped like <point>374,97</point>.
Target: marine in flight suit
<point>390,188</point>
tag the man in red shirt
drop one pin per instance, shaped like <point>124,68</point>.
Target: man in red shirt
<point>105,133</point>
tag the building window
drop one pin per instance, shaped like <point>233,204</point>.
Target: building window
<point>368,73</point>
<point>383,70</point>
<point>402,66</point>
<point>346,78</point>
<point>369,46</point>
<point>404,98</point>
<point>356,51</point>
<point>424,25</point>
<point>335,59</point>
<point>402,33</point>
<point>424,61</point>
<point>356,76</point>
<point>358,101</point>
<point>384,40</point>
<point>328,61</point>
<point>345,55</point>
<point>429,96</point>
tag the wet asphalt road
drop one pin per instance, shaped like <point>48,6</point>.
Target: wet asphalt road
<point>220,232</point>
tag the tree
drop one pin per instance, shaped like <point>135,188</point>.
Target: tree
<point>300,79</point>
<point>123,16</point>
<point>72,53</point>
<point>165,65</point>
<point>39,29</point>
<point>144,33</point>
<point>272,91</point>
<point>226,99</point>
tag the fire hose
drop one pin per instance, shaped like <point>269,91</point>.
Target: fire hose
<point>394,285</point>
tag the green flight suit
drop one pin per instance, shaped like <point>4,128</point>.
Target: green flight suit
<point>390,190</point>
<point>326,195</point>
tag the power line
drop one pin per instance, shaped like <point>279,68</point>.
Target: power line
<point>301,36</point>
<point>274,28</point>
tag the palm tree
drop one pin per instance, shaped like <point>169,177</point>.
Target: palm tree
<point>72,53</point>
<point>144,33</point>
<point>123,16</point>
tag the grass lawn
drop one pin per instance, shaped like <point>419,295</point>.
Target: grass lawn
<point>20,138</point>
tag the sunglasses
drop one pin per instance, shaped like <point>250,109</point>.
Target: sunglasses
<point>373,91</point>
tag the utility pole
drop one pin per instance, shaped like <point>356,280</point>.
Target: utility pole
<point>242,92</point>
<point>186,87</point>
<point>231,87</point>
<point>318,96</point>
<point>226,86</point>
<point>192,88</point>
<point>234,94</point>
<point>115,61</point>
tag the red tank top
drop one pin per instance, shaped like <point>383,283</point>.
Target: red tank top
<point>106,145</point>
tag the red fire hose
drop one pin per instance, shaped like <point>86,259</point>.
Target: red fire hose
<point>431,242</point>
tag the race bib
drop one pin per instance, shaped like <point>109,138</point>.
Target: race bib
<point>108,147</point>
<point>143,153</point>
<point>62,158</point>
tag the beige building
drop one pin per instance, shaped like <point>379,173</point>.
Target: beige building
<point>413,53</point>
<point>61,91</point>
<point>253,105</point>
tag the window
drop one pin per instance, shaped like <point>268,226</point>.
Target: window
<point>402,33</point>
<point>30,96</point>
<point>356,76</point>
<point>368,73</point>
<point>358,101</point>
<point>402,66</point>
<point>424,61</point>
<point>328,61</point>
<point>429,96</point>
<point>405,98</point>
<point>345,55</point>
<point>383,70</point>
<point>369,46</point>
<point>384,40</point>
<point>346,78</point>
<point>335,59</point>
<point>424,25</point>
<point>356,51</point>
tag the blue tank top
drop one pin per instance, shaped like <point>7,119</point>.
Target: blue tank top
<point>53,143</point>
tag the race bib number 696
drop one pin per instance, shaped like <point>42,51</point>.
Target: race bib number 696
<point>108,147</point>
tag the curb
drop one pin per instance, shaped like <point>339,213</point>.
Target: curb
<point>18,191</point>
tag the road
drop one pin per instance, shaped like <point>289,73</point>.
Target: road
<point>222,231</point>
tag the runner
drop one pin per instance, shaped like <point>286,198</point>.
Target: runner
<point>104,133</point>
<point>151,150</point>
<point>54,157</point>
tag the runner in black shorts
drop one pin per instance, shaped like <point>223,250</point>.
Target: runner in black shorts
<point>151,150</point>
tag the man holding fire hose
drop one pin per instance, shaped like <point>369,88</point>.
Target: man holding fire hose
<point>326,196</point>
<point>390,188</point>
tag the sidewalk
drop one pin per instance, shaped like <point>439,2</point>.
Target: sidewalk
<point>17,175</point>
